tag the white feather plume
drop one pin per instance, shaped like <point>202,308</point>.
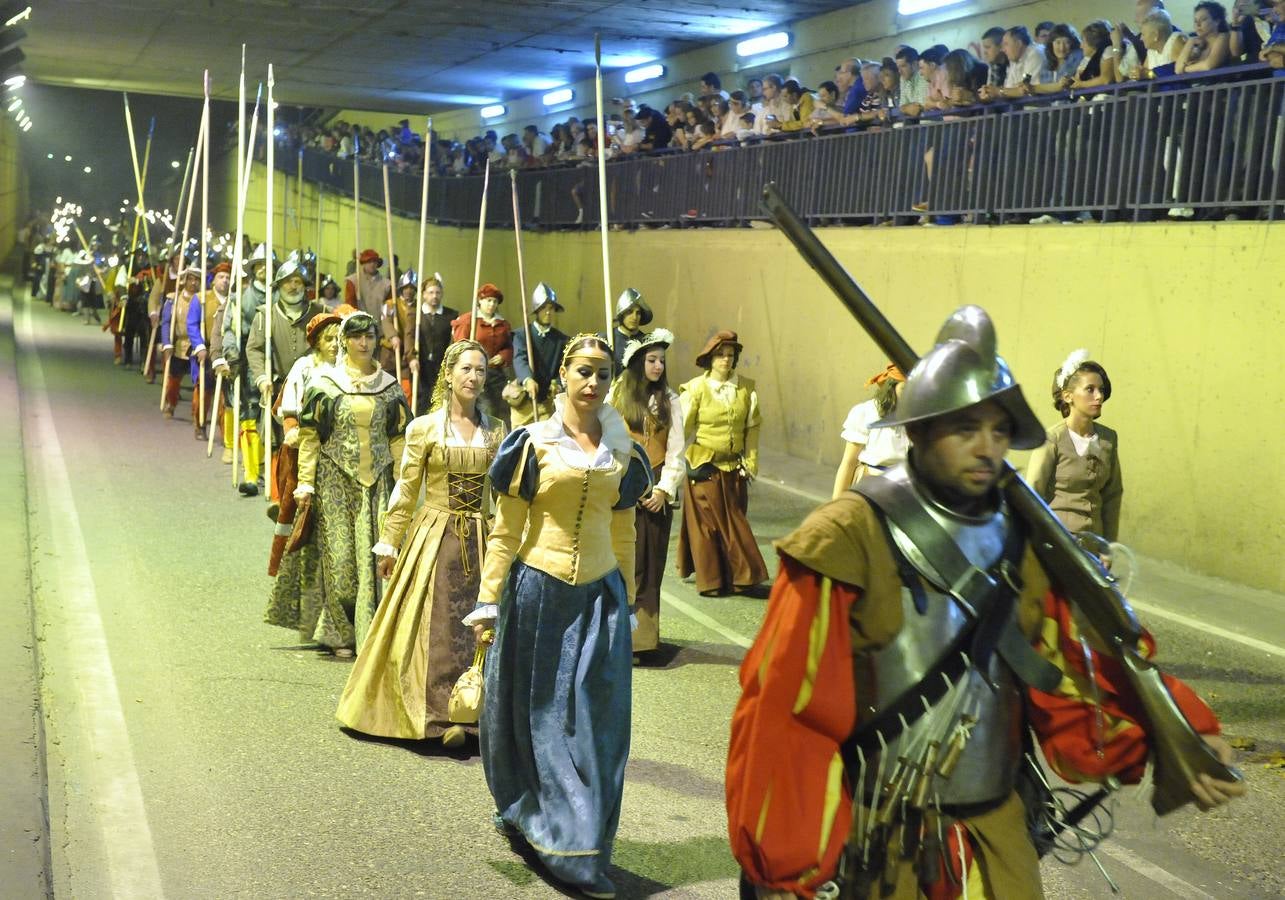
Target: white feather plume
<point>1071,366</point>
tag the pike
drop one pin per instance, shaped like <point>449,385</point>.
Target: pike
<point>356,211</point>
<point>1180,754</point>
<point>205,236</point>
<point>477,265</point>
<point>393,292</point>
<point>419,261</point>
<point>602,188</point>
<point>140,181</point>
<point>182,247</point>
<point>182,191</point>
<point>244,168</point>
<point>93,262</point>
<point>526,326</point>
<point>316,269</point>
<point>271,136</point>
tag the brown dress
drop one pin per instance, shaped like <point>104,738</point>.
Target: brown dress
<point>418,646</point>
<point>1084,492</point>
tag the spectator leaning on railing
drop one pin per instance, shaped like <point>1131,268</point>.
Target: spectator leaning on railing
<point>801,105</point>
<point>1211,47</point>
<point>1025,61</point>
<point>1062,56</point>
<point>1273,52</point>
<point>934,75</point>
<point>1250,29</point>
<point>913,88</point>
<point>991,51</point>
<point>1164,43</point>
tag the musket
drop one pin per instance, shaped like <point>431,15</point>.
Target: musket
<point>1180,754</point>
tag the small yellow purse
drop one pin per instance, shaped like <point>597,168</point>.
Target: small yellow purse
<point>465,705</point>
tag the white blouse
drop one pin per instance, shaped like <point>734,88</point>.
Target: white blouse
<point>881,447</point>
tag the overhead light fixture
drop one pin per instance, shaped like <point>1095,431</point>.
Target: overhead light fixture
<point>644,73</point>
<point>18,17</point>
<point>494,111</point>
<point>66,159</point>
<point>173,163</point>
<point>561,95</point>
<point>15,103</point>
<point>15,81</point>
<point>88,170</point>
<point>913,7</point>
<point>26,127</point>
<point>764,43</point>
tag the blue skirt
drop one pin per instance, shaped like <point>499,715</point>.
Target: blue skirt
<point>556,718</point>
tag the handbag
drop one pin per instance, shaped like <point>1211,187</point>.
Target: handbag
<point>465,705</point>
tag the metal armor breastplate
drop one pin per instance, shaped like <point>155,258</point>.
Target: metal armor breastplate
<point>987,766</point>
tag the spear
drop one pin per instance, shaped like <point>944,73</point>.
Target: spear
<point>477,266</point>
<point>526,326</point>
<point>205,235</point>
<point>92,262</point>
<point>187,223</point>
<point>602,187</point>
<point>267,300</point>
<point>392,275</point>
<point>151,342</point>
<point>298,201</point>
<point>140,179</point>
<point>243,168</point>
<point>419,262</point>
<point>316,269</point>
<point>356,215</point>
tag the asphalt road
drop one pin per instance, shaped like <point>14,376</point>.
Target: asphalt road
<point>192,750</point>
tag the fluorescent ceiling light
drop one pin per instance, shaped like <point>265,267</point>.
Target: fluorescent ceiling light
<point>764,43</point>
<point>17,101</point>
<point>26,127</point>
<point>561,95</point>
<point>14,20</point>
<point>15,81</point>
<point>911,7</point>
<point>494,111</point>
<point>644,73</point>
<point>88,170</point>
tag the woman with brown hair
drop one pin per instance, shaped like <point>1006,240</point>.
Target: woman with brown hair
<point>722,418</point>
<point>869,449</point>
<point>431,558</point>
<point>1077,471</point>
<point>654,416</point>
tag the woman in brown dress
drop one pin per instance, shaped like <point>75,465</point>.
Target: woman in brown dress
<point>654,416</point>
<point>721,416</point>
<point>418,645</point>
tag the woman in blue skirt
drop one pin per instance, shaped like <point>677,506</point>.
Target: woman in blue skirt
<point>558,577</point>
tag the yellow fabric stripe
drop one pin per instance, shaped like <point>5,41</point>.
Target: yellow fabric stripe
<point>816,645</point>
<point>762,822</point>
<point>833,794</point>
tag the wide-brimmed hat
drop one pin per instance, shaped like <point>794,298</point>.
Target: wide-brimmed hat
<point>320,321</point>
<point>369,255</point>
<point>719,339</point>
<point>221,267</point>
<point>658,338</point>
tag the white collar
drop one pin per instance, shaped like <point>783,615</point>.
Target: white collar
<point>732,382</point>
<point>615,435</point>
<point>337,372</point>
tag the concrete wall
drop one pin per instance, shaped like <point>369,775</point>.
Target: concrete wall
<point>13,186</point>
<point>868,30</point>
<point>1186,318</point>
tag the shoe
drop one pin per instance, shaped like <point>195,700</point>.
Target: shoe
<point>248,489</point>
<point>117,362</point>
<point>920,207</point>
<point>453,736</point>
<point>601,889</point>
<point>1182,212</point>
<point>227,456</point>
<point>273,510</point>
<point>168,412</point>
<point>344,653</point>
<point>1045,219</point>
<point>199,432</point>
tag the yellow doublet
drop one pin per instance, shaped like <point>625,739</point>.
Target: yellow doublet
<point>568,530</point>
<point>724,419</point>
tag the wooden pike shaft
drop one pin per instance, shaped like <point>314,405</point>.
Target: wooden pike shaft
<point>140,213</point>
<point>517,240</point>
<point>316,269</point>
<point>477,265</point>
<point>393,289</point>
<point>205,249</point>
<point>182,248</point>
<point>267,300</point>
<point>419,260</point>
<point>218,392</point>
<point>602,188</point>
<point>151,341</point>
<point>356,214</point>
<point>237,263</point>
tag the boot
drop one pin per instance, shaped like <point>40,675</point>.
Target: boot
<point>227,456</point>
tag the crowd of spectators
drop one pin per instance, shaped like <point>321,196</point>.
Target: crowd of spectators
<point>1003,65</point>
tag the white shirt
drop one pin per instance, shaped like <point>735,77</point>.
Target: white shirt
<point>1031,63</point>
<point>1167,54</point>
<point>882,447</point>
<point>1082,444</point>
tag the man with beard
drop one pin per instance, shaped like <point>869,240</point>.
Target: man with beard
<point>205,330</point>
<point>290,316</point>
<point>253,296</point>
<point>434,337</point>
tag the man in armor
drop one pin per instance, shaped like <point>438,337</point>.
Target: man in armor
<point>538,376</point>
<point>632,315</point>
<point>911,643</point>
<point>254,293</point>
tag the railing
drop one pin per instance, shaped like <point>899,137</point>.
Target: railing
<point>1120,153</point>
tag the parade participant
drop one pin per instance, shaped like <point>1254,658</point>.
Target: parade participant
<point>217,298</point>
<point>869,449</point>
<point>291,313</point>
<point>163,285</point>
<point>366,289</point>
<point>204,322</point>
<point>721,418</point>
<point>295,601</point>
<point>539,378</point>
<point>88,292</point>
<point>863,608</point>
<point>397,329</point>
<point>632,315</point>
<point>138,326</point>
<point>434,337</point>
<point>1077,471</point>
<point>654,416</point>
<point>175,345</point>
<point>418,645</point>
<point>556,719</point>
<point>493,333</point>
<point>351,428</point>
<point>114,321</point>
<point>329,293</point>
<point>254,293</point>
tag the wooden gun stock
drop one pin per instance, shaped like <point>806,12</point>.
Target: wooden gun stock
<point>1180,754</point>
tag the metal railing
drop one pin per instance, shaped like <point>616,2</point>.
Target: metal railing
<point>1119,154</point>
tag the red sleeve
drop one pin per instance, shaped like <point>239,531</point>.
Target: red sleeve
<point>1090,728</point>
<point>350,293</point>
<point>787,793</point>
<point>504,338</point>
<point>459,328</point>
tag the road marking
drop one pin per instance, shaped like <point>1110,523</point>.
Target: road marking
<point>99,758</point>
<point>1152,872</point>
<point>1200,625</point>
<point>708,621</point>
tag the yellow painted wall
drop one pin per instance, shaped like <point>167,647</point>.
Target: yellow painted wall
<point>1186,318</point>
<point>13,196</point>
<point>867,30</point>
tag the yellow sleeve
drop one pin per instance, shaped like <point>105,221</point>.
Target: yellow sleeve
<point>752,424</point>
<point>410,482</point>
<point>309,450</point>
<point>502,546</point>
<point>623,543</point>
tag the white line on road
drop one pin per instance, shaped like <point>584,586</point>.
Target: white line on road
<point>1200,625</point>
<point>1150,871</point>
<point>708,621</point>
<point>104,766</point>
